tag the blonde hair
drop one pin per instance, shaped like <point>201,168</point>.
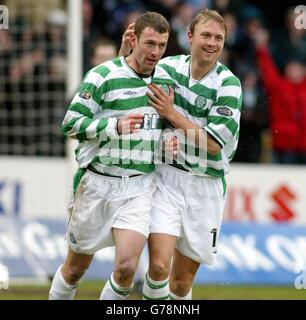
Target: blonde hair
<point>205,15</point>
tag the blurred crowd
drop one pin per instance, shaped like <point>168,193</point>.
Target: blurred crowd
<point>264,48</point>
<point>32,80</point>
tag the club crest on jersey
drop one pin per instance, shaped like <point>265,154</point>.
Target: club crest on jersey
<point>225,111</point>
<point>200,102</point>
<point>85,95</point>
<point>166,89</point>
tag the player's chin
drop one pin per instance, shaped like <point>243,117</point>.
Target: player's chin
<point>151,63</point>
<point>209,59</point>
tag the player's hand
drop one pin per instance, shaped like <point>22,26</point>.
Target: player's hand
<point>129,124</point>
<point>126,47</point>
<point>261,37</point>
<point>161,101</point>
<point>171,146</point>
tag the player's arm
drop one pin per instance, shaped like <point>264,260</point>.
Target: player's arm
<point>268,69</point>
<point>80,122</point>
<point>164,104</point>
<point>223,119</point>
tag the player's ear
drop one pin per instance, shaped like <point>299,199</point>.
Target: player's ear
<point>133,40</point>
<point>190,36</point>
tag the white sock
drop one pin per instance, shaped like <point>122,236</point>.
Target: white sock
<point>155,290</point>
<point>112,291</point>
<point>60,289</point>
<point>187,297</point>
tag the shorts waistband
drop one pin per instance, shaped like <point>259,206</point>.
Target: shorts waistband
<point>184,171</point>
<point>178,167</point>
<point>92,169</point>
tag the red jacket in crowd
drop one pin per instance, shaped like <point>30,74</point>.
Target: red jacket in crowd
<point>287,106</point>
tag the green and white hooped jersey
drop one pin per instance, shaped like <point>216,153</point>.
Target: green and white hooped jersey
<point>109,92</point>
<point>213,103</point>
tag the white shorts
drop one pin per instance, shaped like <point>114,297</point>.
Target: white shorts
<point>191,208</point>
<point>101,203</point>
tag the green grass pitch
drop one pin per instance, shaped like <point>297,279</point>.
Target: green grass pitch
<point>90,290</point>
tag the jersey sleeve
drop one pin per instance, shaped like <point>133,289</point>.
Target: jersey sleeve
<point>80,122</point>
<point>224,114</point>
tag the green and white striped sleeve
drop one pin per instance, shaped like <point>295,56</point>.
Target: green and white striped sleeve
<point>224,115</point>
<point>80,122</point>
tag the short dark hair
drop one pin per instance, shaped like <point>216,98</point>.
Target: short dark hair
<point>207,14</point>
<point>153,20</point>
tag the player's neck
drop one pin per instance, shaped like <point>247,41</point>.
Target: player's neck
<point>133,64</point>
<point>199,69</point>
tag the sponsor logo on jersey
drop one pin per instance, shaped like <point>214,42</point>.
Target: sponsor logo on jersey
<point>225,111</point>
<point>129,93</point>
<point>85,95</point>
<point>200,102</point>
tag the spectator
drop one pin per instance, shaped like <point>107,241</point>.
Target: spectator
<point>252,20</point>
<point>234,43</point>
<point>180,22</point>
<point>287,103</point>
<point>224,6</point>
<point>253,119</point>
<point>91,31</point>
<point>101,51</point>
<point>55,33</point>
<point>56,78</point>
<point>200,4</point>
<point>165,7</point>
<point>115,14</point>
